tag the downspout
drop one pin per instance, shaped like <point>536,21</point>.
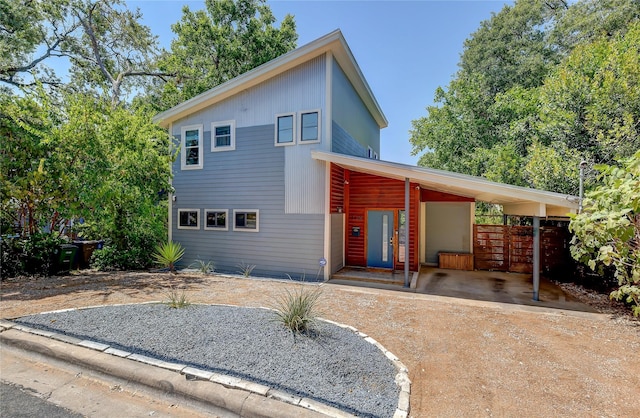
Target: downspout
<point>407,234</point>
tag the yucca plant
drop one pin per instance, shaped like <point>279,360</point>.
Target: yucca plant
<point>297,309</point>
<point>168,254</point>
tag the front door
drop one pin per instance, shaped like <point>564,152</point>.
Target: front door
<point>380,238</point>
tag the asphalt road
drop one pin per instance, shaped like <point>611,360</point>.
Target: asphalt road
<point>17,402</point>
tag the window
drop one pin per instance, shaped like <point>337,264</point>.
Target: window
<point>191,147</point>
<point>375,155</point>
<point>216,219</point>
<point>188,218</point>
<point>285,129</point>
<point>223,136</point>
<point>369,152</point>
<point>246,220</point>
<point>310,126</point>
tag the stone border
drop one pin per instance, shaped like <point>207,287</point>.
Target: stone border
<point>191,373</point>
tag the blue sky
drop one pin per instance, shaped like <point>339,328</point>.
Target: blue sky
<point>405,49</point>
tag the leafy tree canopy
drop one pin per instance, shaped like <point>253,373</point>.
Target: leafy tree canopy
<point>525,108</point>
<point>214,45</point>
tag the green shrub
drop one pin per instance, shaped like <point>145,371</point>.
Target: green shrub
<point>12,260</point>
<point>168,254</point>
<point>35,255</point>
<point>297,310</point>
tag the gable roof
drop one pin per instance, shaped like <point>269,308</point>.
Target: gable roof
<point>515,200</point>
<point>333,42</point>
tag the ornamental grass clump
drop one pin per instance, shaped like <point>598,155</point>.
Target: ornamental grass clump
<point>177,299</point>
<point>297,310</point>
<point>168,254</point>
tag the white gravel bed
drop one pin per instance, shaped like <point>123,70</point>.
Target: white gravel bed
<point>331,364</point>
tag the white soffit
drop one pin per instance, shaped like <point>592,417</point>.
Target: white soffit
<point>333,42</point>
<point>516,200</point>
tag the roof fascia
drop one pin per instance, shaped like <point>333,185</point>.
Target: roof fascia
<point>475,185</point>
<point>333,41</point>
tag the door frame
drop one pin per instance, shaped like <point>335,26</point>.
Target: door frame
<point>394,236</point>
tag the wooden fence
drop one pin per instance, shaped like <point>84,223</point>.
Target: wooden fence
<point>510,248</point>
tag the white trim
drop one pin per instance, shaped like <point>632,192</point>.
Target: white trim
<point>293,133</point>
<point>232,126</point>
<point>183,150</point>
<point>301,127</point>
<point>216,228</point>
<point>256,211</point>
<point>197,227</point>
<point>327,222</point>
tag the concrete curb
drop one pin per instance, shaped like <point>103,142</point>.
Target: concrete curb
<point>223,393</point>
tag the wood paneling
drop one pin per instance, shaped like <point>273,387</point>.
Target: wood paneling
<point>427,195</point>
<point>337,189</point>
<point>455,261</point>
<point>367,192</point>
<point>510,248</point>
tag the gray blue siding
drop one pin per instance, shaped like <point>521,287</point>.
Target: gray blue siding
<point>350,113</point>
<point>343,143</point>
<point>251,177</point>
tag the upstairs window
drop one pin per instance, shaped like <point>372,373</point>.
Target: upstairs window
<point>310,126</point>
<point>223,136</point>
<point>191,147</point>
<point>216,219</point>
<point>285,129</point>
<point>188,218</point>
<point>246,220</point>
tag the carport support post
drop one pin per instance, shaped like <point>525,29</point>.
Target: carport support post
<point>536,258</point>
<point>407,192</point>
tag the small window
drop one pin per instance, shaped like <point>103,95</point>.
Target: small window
<point>216,219</point>
<point>310,126</point>
<point>223,136</point>
<point>188,218</point>
<point>285,129</point>
<point>369,152</point>
<point>191,147</point>
<point>246,220</point>
<point>375,155</point>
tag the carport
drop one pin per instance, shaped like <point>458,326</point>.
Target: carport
<point>436,218</point>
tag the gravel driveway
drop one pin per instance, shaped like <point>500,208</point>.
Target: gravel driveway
<point>465,358</point>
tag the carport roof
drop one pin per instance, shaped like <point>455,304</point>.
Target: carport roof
<point>515,200</point>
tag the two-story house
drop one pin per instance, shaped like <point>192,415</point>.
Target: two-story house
<point>279,168</point>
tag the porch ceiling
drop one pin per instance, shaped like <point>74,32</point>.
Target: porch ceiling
<point>514,199</point>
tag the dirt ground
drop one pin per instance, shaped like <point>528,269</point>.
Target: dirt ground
<point>465,357</point>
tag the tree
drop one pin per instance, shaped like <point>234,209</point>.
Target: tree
<point>228,38</point>
<point>32,32</point>
<point>84,158</point>
<point>509,51</point>
<point>607,232</point>
<point>525,108</point>
<point>104,42</point>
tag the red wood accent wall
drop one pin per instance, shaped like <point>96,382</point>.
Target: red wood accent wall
<point>427,195</point>
<point>366,192</point>
<point>337,188</point>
